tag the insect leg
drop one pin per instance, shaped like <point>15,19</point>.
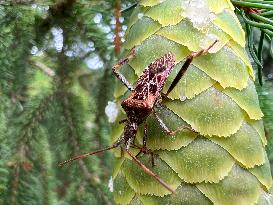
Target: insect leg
<point>145,135</point>
<point>116,144</point>
<point>172,133</point>
<point>122,121</point>
<point>129,143</point>
<point>148,171</point>
<point>122,62</point>
<point>161,123</point>
<point>167,130</point>
<point>144,144</point>
<point>153,159</point>
<point>185,66</point>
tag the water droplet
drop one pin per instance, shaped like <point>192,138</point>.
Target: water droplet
<point>34,50</point>
<point>140,15</point>
<point>111,110</point>
<point>111,184</point>
<point>183,98</point>
<point>198,12</point>
<point>98,17</point>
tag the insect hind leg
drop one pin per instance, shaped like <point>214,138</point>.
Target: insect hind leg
<point>115,145</point>
<point>167,130</point>
<point>149,172</point>
<point>186,65</point>
<point>144,149</point>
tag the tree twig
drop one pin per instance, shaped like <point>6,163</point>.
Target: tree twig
<point>48,71</point>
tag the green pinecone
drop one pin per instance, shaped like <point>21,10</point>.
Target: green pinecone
<point>224,161</point>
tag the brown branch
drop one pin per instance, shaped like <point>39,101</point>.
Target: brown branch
<point>48,71</point>
<point>15,184</point>
<point>16,174</point>
<point>117,40</point>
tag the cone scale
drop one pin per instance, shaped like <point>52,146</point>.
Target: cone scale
<point>224,162</point>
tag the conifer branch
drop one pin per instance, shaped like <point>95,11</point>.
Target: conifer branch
<point>48,71</point>
<point>37,115</point>
<point>94,180</point>
<point>15,184</point>
<point>73,135</point>
<point>256,14</point>
<point>16,174</point>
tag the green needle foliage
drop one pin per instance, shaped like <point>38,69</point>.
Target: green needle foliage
<point>256,14</point>
<point>51,104</point>
<point>266,102</point>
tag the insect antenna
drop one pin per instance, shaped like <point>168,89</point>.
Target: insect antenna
<point>87,154</point>
<point>148,171</point>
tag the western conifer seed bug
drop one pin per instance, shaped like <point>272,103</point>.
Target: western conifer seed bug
<point>140,104</point>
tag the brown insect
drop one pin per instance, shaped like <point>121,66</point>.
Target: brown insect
<point>140,104</point>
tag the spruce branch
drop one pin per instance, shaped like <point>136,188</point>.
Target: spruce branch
<point>253,4</point>
<point>73,136</point>
<point>48,71</point>
<point>266,102</point>
<point>15,179</point>
<point>15,184</point>
<point>256,14</point>
<point>37,115</point>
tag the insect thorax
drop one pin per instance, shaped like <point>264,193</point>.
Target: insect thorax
<point>147,90</point>
<point>137,110</point>
<point>152,80</point>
